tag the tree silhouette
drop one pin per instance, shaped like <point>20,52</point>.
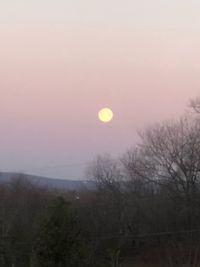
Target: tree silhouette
<point>59,243</point>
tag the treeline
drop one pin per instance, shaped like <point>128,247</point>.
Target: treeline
<point>144,211</point>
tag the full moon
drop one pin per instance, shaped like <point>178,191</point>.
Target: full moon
<point>105,115</point>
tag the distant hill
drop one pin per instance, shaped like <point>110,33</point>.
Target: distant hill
<point>74,185</point>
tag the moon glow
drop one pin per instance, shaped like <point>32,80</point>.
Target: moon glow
<point>105,115</point>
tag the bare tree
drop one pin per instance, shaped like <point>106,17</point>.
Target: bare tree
<point>106,173</point>
<point>167,161</point>
<point>168,153</point>
<point>195,104</point>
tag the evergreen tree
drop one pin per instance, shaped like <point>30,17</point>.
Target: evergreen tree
<point>59,243</point>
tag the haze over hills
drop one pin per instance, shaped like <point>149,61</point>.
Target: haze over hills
<point>49,182</point>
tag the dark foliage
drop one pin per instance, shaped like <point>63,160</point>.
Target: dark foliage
<point>59,242</point>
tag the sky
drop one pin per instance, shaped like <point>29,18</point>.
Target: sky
<point>61,61</point>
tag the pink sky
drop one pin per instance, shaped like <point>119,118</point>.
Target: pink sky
<point>61,61</point>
